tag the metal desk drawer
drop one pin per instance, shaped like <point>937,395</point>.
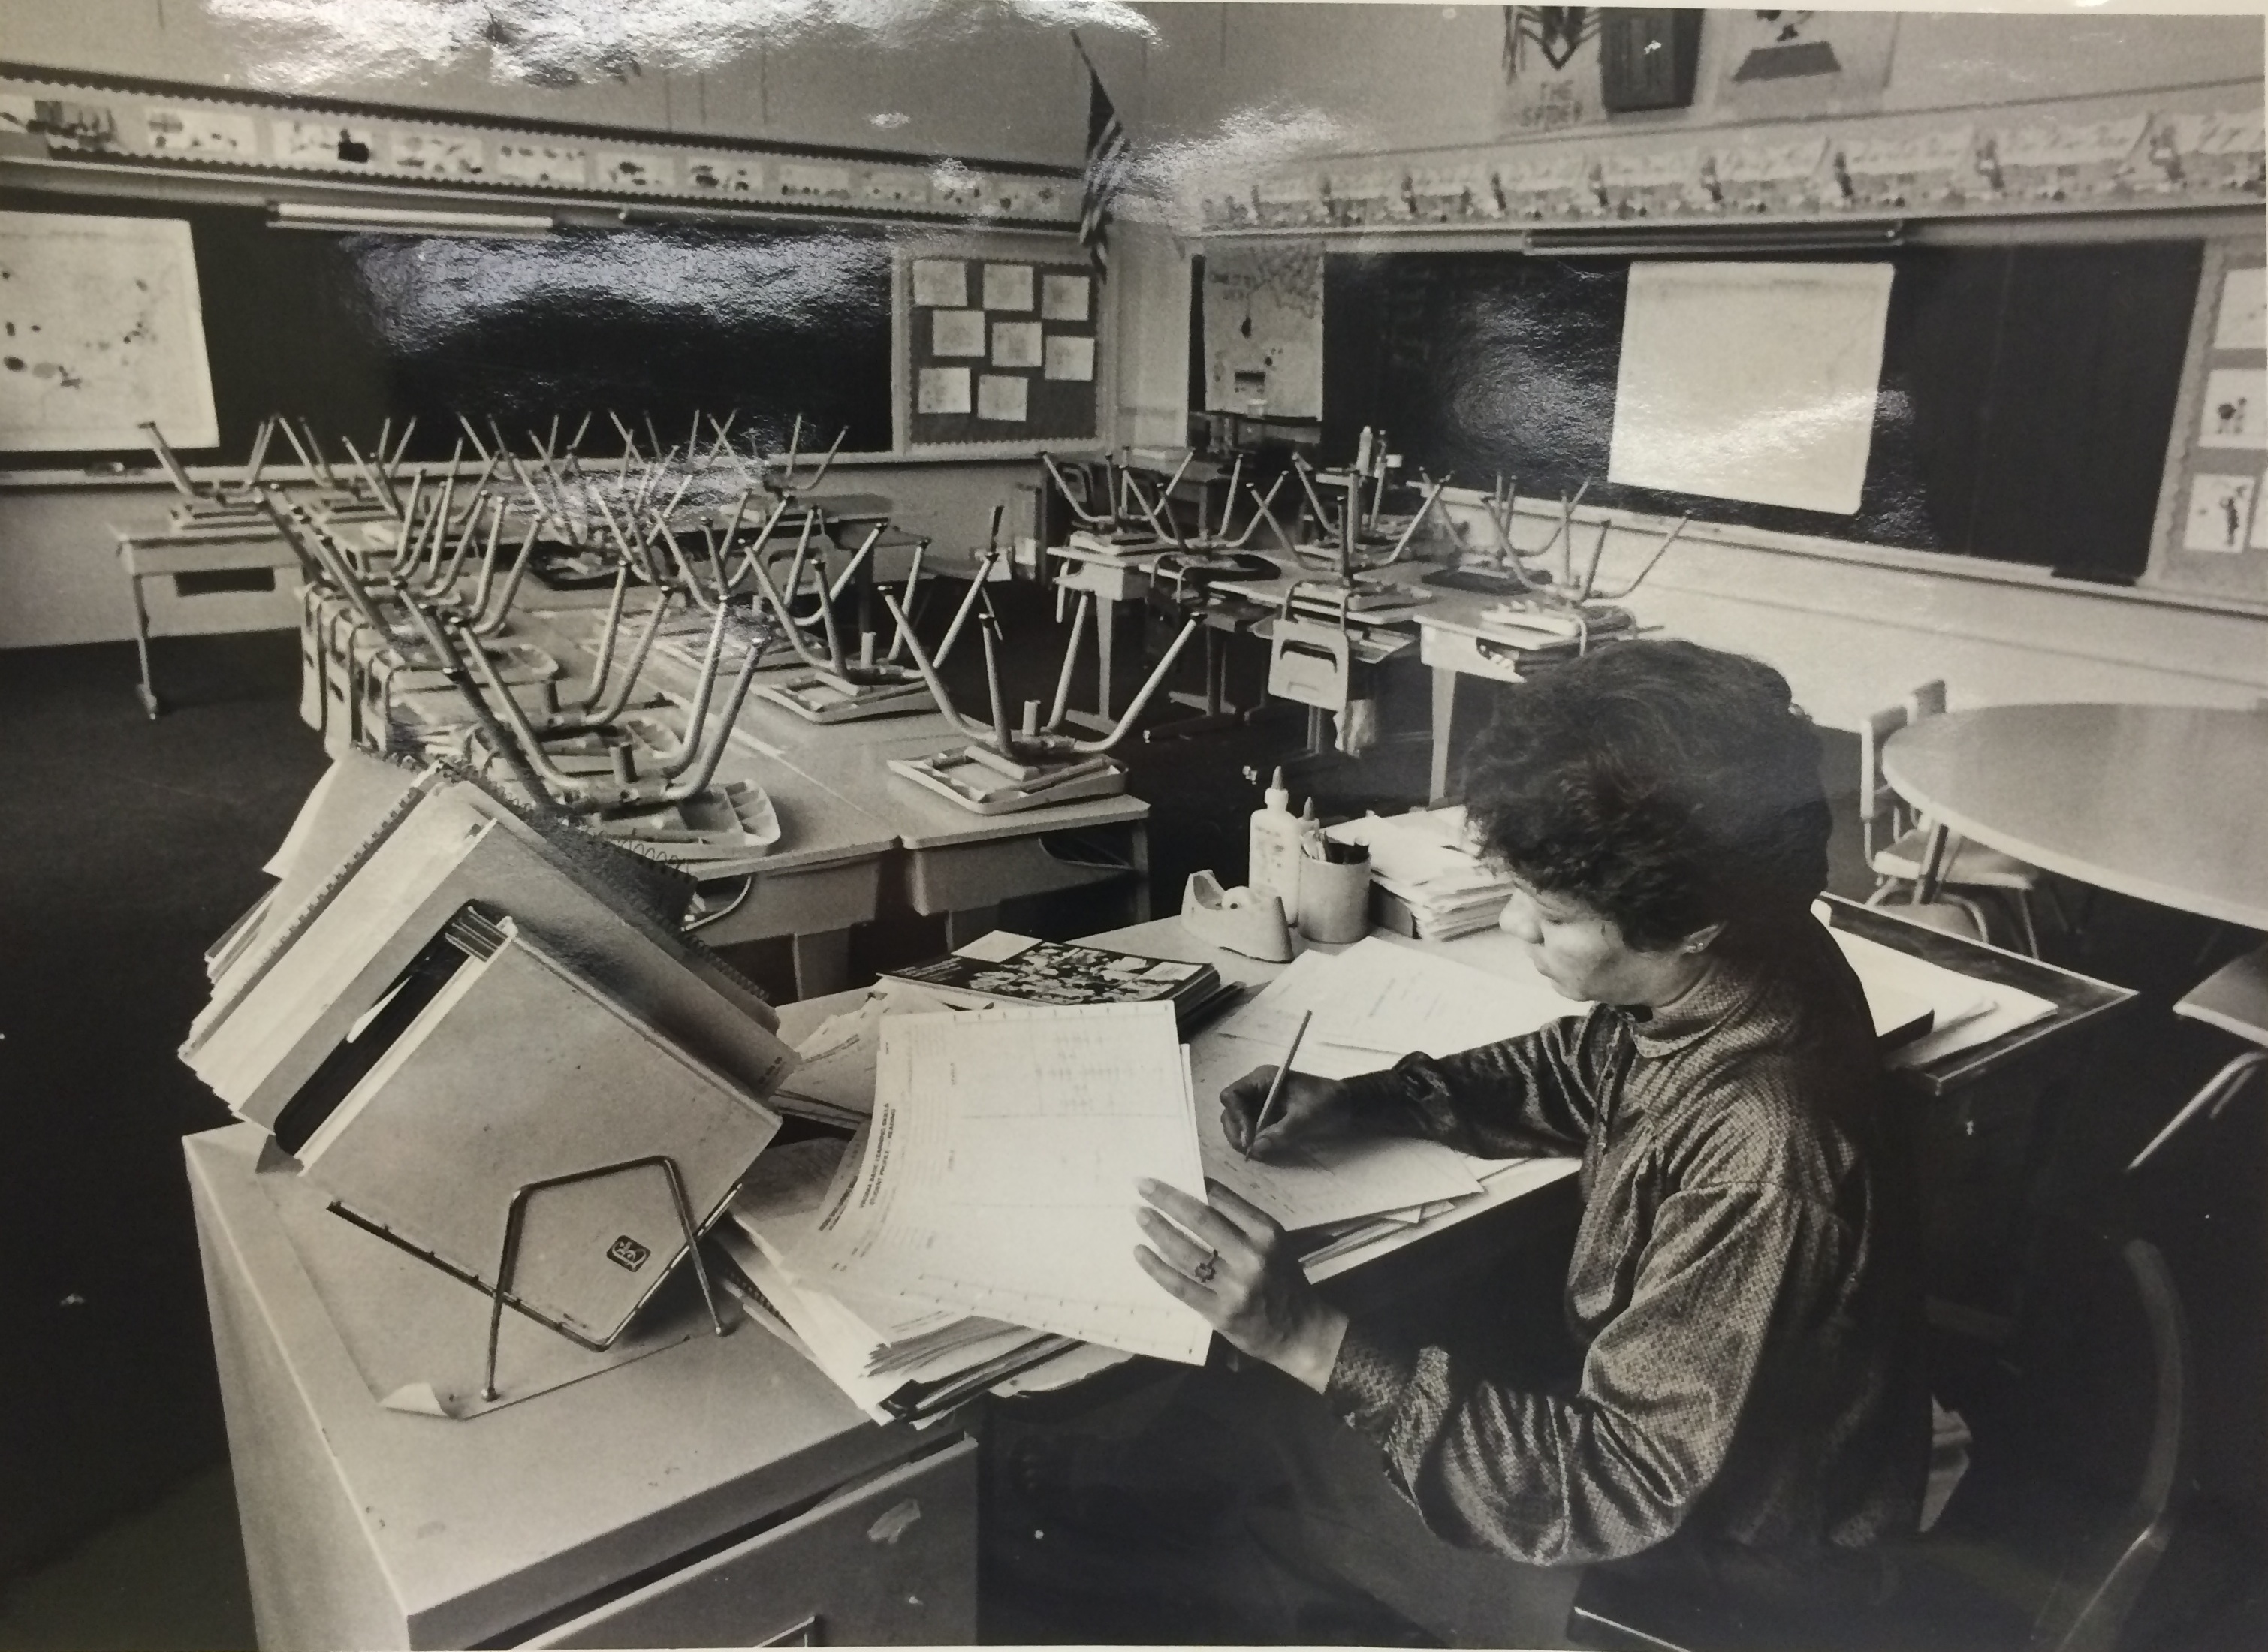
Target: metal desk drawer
<point>892,1563</point>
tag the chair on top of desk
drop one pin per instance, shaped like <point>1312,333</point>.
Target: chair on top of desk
<point>1896,839</point>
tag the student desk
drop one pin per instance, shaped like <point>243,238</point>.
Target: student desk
<point>823,876</point>
<point>954,861</point>
<point>221,549</point>
<point>2166,803</point>
<point>963,864</point>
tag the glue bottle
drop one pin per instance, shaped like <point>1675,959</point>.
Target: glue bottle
<point>1275,859</point>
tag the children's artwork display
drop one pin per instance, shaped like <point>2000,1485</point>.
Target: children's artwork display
<point>2221,508</point>
<point>99,332</point>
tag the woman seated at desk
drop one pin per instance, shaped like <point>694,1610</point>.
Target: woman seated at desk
<point>1750,1407</point>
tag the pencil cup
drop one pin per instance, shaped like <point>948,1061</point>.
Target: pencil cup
<point>1333,900</point>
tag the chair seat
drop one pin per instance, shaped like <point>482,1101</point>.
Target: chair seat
<point>2233,998</point>
<point>1970,865</point>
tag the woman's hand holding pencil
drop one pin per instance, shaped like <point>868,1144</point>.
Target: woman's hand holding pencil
<point>1270,1107</point>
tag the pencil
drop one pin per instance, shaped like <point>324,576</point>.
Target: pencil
<point>1276,1085</point>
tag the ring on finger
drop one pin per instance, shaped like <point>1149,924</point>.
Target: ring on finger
<point>1203,1271</point>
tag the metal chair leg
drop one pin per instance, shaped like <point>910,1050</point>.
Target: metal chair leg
<point>2216,1093</point>
<point>2032,929</point>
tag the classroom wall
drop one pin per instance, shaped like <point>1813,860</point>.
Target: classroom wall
<point>1381,79</point>
<point>1855,631</point>
<point>1252,86</point>
<point>980,82</point>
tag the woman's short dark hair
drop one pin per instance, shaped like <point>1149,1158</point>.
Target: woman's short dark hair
<point>1668,785</point>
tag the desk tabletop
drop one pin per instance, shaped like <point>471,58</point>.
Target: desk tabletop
<point>476,1522</point>
<point>818,826</point>
<point>851,761</point>
<point>1405,574</point>
<point>859,770</point>
<point>2166,803</point>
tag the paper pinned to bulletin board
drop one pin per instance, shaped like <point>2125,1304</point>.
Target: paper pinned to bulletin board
<point>2213,518</point>
<point>1263,330</point>
<point>100,330</point>
<point>999,350</point>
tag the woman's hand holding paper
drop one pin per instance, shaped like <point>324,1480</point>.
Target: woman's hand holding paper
<point>1231,1263</point>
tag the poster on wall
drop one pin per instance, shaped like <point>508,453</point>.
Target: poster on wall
<point>1779,63</point>
<point>1751,381</point>
<point>1550,60</point>
<point>2220,507</point>
<point>2242,323</point>
<point>2236,411</point>
<point>102,331</point>
<point>1263,331</point>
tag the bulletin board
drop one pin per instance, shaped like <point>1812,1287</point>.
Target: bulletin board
<point>1000,351</point>
<point>2213,521</point>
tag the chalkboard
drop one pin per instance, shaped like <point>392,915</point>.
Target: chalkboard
<point>348,330</point>
<point>2027,395</point>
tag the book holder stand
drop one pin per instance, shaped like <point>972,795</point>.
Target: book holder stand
<point>515,1218</point>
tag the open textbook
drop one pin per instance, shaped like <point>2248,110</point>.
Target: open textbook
<point>999,1170</point>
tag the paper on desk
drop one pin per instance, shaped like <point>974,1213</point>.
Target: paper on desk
<point>779,1206</point>
<point>1965,1011</point>
<point>1321,1183</point>
<point>998,1177</point>
<point>837,1059</point>
<point>1373,1003</point>
<point>1377,1002</point>
<point>1430,849</point>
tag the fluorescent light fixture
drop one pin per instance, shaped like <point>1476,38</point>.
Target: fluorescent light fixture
<point>1727,240</point>
<point>293,214</point>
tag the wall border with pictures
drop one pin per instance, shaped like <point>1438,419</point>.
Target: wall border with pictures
<point>1001,348</point>
<point>305,145</point>
<point>2212,514</point>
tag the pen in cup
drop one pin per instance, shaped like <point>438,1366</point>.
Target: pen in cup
<point>1276,1085</point>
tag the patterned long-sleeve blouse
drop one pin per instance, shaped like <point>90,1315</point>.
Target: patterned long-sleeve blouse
<point>1741,1282</point>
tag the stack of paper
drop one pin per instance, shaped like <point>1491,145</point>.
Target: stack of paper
<point>834,1080</point>
<point>1372,1005</point>
<point>1965,1011</point>
<point>892,1357</point>
<point>998,1174</point>
<point>1427,860</point>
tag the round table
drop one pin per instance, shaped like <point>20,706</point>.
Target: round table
<point>2168,804</point>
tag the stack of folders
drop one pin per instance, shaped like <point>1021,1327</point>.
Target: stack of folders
<point>896,1360</point>
<point>1427,861</point>
<point>464,1002</point>
<point>983,1223</point>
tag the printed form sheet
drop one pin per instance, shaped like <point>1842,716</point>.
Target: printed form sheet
<point>999,1172</point>
<point>1373,1003</point>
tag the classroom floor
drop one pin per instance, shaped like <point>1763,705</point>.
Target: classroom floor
<point>132,844</point>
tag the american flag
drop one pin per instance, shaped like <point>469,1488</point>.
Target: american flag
<point>1107,156</point>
